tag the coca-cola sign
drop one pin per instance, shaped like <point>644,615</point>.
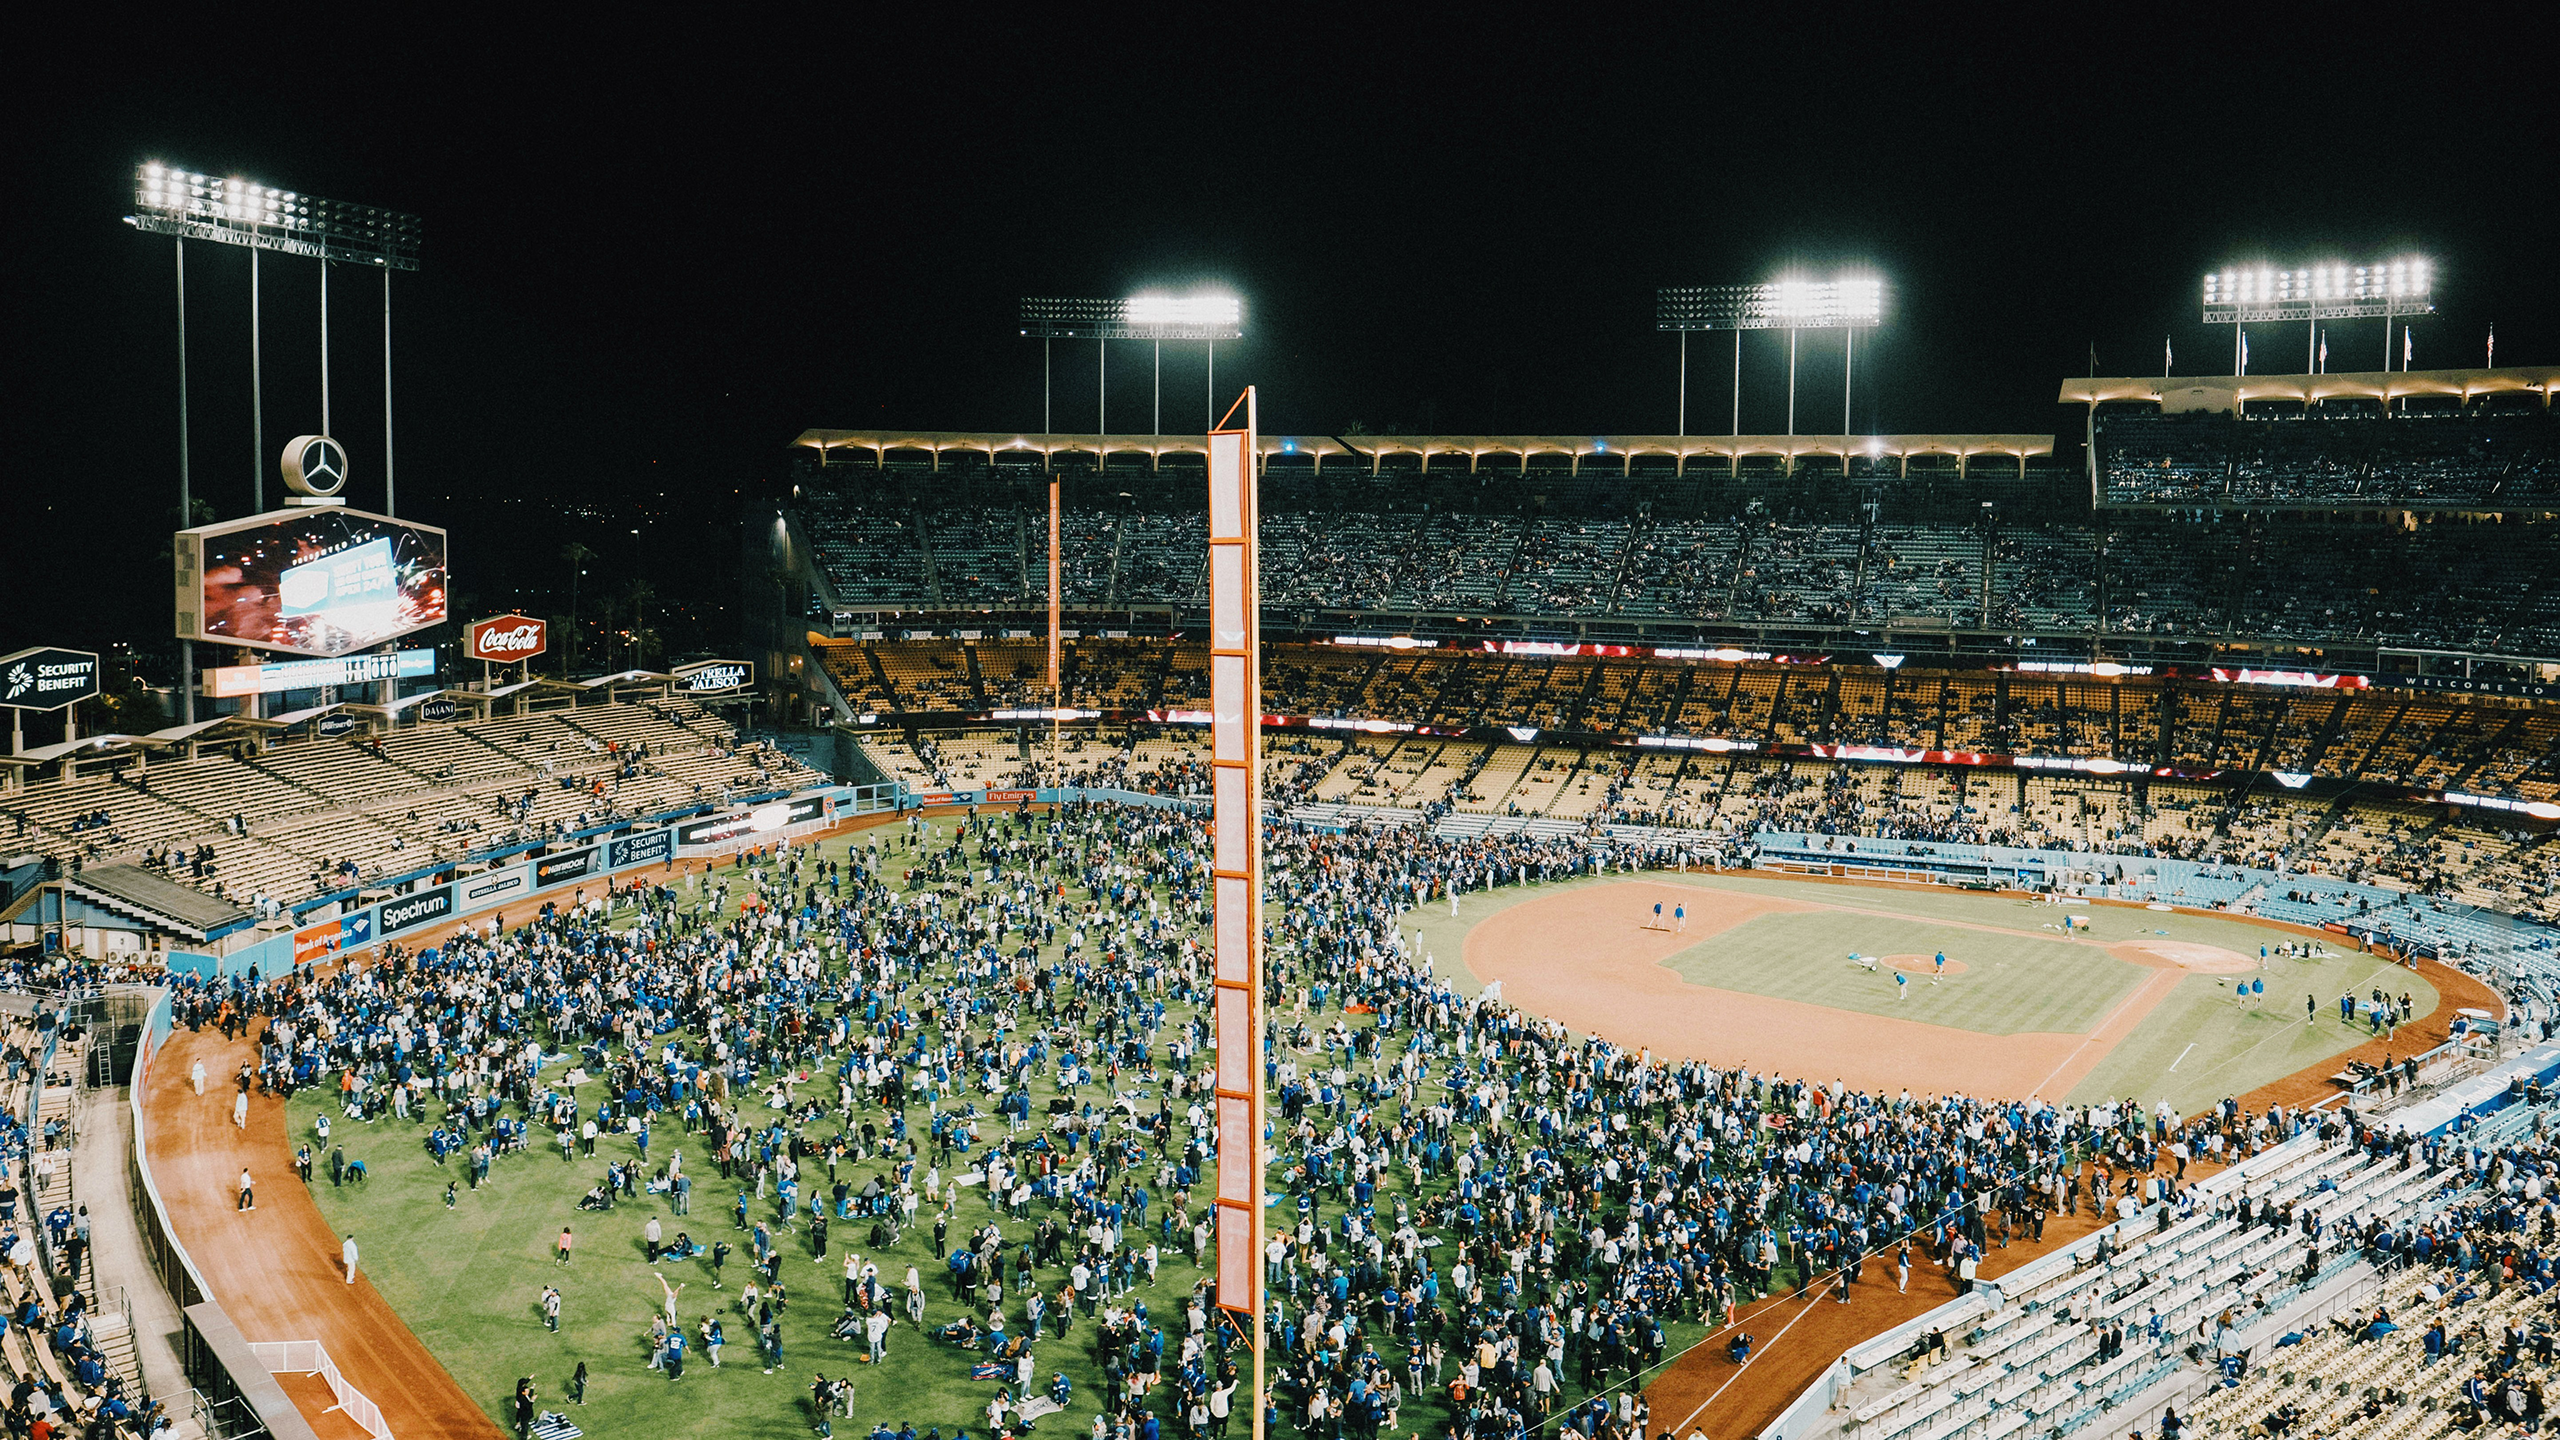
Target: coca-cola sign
<point>507,639</point>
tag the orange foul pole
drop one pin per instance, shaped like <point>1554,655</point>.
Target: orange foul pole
<point>1235,769</point>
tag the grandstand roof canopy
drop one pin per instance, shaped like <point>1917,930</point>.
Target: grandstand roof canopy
<point>296,717</point>
<point>146,895</point>
<point>207,729</point>
<point>876,445</point>
<point>85,745</point>
<point>410,702</point>
<point>2223,392</point>
<point>174,737</point>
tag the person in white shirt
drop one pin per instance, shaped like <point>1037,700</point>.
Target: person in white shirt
<point>347,1253</point>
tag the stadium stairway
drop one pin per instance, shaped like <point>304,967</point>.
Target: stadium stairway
<point>64,1119</point>
<point>133,1320</point>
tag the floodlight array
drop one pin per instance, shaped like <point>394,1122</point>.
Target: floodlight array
<point>1138,317</point>
<point>1846,302</point>
<point>233,211</point>
<point>2333,291</point>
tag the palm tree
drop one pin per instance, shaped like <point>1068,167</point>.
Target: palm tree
<point>637,593</point>
<point>575,556</point>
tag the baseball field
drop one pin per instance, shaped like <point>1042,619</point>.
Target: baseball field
<point>1794,978</point>
<point>1840,981</point>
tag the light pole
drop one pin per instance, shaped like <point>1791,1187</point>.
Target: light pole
<point>1684,385</point>
<point>1848,302</point>
<point>257,400</point>
<point>2243,295</point>
<point>231,211</point>
<point>1158,318</point>
<point>186,499</point>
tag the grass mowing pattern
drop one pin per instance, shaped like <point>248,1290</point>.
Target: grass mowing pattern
<point>2012,984</point>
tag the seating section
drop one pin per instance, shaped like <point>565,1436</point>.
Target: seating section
<point>2407,1377</point>
<point>2217,555</point>
<point>309,817</point>
<point>2475,459</point>
<point>2032,1362</point>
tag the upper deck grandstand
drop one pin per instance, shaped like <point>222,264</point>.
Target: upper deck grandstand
<point>2418,531</point>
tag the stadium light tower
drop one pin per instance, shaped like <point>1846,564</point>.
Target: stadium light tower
<point>1793,303</point>
<point>1208,317</point>
<point>2239,295</point>
<point>185,205</point>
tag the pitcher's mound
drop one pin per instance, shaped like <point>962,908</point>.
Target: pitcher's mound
<point>2185,955</point>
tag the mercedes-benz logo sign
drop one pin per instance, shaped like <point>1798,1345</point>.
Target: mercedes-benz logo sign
<point>315,465</point>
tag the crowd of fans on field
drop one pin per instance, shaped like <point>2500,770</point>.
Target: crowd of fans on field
<point>1484,1214</point>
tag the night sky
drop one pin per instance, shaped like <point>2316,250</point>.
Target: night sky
<point>652,257</point>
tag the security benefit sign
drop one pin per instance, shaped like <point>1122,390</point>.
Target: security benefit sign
<point>48,679</point>
<point>648,847</point>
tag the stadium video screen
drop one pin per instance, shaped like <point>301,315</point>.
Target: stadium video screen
<point>324,581</point>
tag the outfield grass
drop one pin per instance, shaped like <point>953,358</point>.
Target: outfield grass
<point>2011,984</point>
<point>469,1282</point>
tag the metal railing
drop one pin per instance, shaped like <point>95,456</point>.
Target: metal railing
<point>310,1357</point>
<point>232,1419</point>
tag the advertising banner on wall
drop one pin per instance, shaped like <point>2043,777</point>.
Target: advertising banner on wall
<point>770,819</point>
<point>226,681</point>
<point>319,941</point>
<point>48,679</point>
<point>494,886</point>
<point>424,907</point>
<point>716,677</point>
<point>649,847</point>
<point>560,869</point>
<point>315,942</point>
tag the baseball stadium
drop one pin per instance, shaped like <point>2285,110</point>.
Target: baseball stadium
<point>1223,934</point>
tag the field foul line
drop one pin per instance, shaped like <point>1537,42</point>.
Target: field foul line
<point>2135,998</point>
<point>2182,1058</point>
<point>2281,1032</point>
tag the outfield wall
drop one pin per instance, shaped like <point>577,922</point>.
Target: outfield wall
<point>2357,910</point>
